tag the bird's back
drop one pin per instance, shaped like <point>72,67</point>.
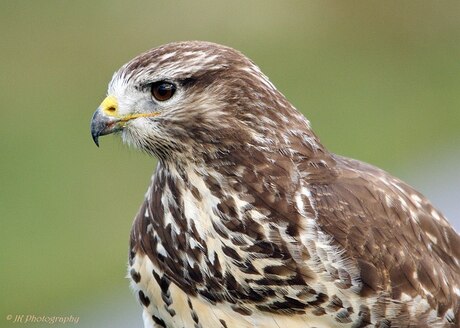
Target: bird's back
<point>405,252</point>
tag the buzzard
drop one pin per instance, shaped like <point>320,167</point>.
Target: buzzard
<point>249,221</point>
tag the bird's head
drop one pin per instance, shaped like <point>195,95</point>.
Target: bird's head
<point>191,98</point>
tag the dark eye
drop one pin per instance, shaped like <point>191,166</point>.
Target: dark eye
<point>162,90</point>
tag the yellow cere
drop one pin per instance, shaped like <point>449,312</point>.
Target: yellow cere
<point>110,108</point>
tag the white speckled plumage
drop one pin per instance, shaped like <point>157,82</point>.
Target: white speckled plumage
<point>250,222</point>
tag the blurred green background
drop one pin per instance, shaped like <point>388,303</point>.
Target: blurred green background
<point>380,81</point>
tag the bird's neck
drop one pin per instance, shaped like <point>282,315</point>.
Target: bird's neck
<point>191,197</point>
<point>195,214</point>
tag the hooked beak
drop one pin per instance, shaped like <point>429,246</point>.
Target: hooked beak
<point>106,119</point>
<point>102,124</point>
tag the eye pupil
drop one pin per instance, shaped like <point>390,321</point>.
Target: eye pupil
<point>162,90</point>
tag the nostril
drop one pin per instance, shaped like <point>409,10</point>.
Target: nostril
<point>109,106</point>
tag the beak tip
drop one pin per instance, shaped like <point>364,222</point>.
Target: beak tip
<point>95,135</point>
<point>97,127</point>
<point>96,141</point>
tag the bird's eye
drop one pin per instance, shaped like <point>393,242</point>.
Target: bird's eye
<point>163,90</point>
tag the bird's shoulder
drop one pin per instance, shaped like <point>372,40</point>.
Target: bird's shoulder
<point>399,242</point>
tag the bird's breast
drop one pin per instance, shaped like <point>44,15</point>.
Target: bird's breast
<point>197,243</point>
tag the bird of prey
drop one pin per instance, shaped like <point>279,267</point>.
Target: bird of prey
<point>249,221</point>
